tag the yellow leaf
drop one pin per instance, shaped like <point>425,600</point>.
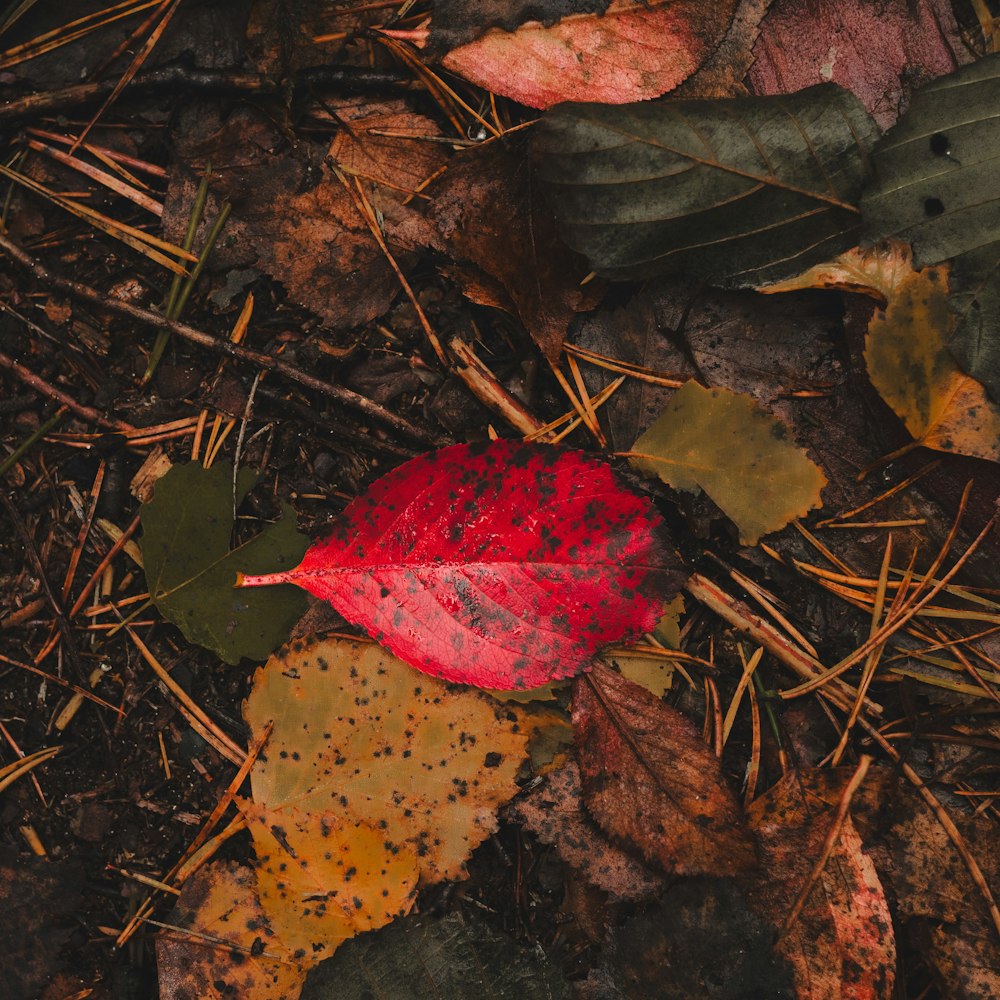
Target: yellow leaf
<point>232,950</point>
<point>323,879</point>
<point>360,734</point>
<point>910,366</point>
<point>742,457</point>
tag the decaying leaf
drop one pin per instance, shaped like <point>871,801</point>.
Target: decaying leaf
<point>324,878</point>
<point>651,671</point>
<point>842,943</point>
<point>936,188</point>
<point>741,456</point>
<point>700,940</point>
<point>935,169</point>
<point>503,564</point>
<point>736,192</point>
<point>875,51</point>
<point>595,57</point>
<point>239,954</point>
<point>650,781</point>
<point>554,812</point>
<point>910,365</point>
<point>490,214</point>
<point>360,735</point>
<point>450,958</point>
<point>876,271</point>
<point>186,535</point>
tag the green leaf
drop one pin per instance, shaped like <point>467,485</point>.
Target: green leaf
<point>741,456</point>
<point>936,168</point>
<point>936,188</point>
<point>975,297</point>
<point>190,570</point>
<point>452,958</point>
<point>737,192</point>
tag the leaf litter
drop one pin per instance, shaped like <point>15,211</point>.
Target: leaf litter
<point>324,871</point>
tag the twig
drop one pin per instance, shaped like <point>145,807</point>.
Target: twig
<point>36,382</point>
<point>218,345</point>
<point>171,78</point>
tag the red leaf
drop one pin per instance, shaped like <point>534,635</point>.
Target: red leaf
<point>503,564</point>
<point>635,50</point>
<point>650,781</point>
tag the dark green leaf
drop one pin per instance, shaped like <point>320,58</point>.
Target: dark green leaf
<point>736,192</point>
<point>975,344</point>
<point>937,188</point>
<point>453,958</point>
<point>190,570</point>
<point>937,168</point>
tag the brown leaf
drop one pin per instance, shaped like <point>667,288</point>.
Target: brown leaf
<point>221,902</point>
<point>554,813</point>
<point>879,51</point>
<point>842,943</point>
<point>293,219</point>
<point>490,213</point>
<point>650,781</point>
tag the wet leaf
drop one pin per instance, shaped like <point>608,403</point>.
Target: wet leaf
<point>360,735</point>
<point>742,457</point>
<point>936,188</point>
<point>595,57</point>
<point>244,957</point>
<point>189,566</point>
<point>502,564</point>
<point>490,214</point>
<point>324,878</point>
<point>935,169</point>
<point>975,299</point>
<point>910,365</point>
<point>842,944</point>
<point>736,192</point>
<point>451,958</point>
<point>650,781</point>
<point>877,52</point>
<point>554,812</point>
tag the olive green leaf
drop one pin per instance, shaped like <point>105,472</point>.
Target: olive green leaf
<point>736,192</point>
<point>724,443</point>
<point>936,187</point>
<point>190,569</point>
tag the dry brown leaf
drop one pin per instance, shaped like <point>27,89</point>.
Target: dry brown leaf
<point>910,366</point>
<point>360,734</point>
<point>490,213</point>
<point>650,781</point>
<point>554,812</point>
<point>239,957</point>
<point>877,272</point>
<point>842,943</point>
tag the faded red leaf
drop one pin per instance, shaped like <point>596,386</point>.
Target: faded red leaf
<point>842,944</point>
<point>635,50</point>
<point>490,214</point>
<point>554,813</point>
<point>501,564</point>
<point>650,781</point>
<point>878,51</point>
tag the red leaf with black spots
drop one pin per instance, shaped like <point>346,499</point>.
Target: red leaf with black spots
<point>503,564</point>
